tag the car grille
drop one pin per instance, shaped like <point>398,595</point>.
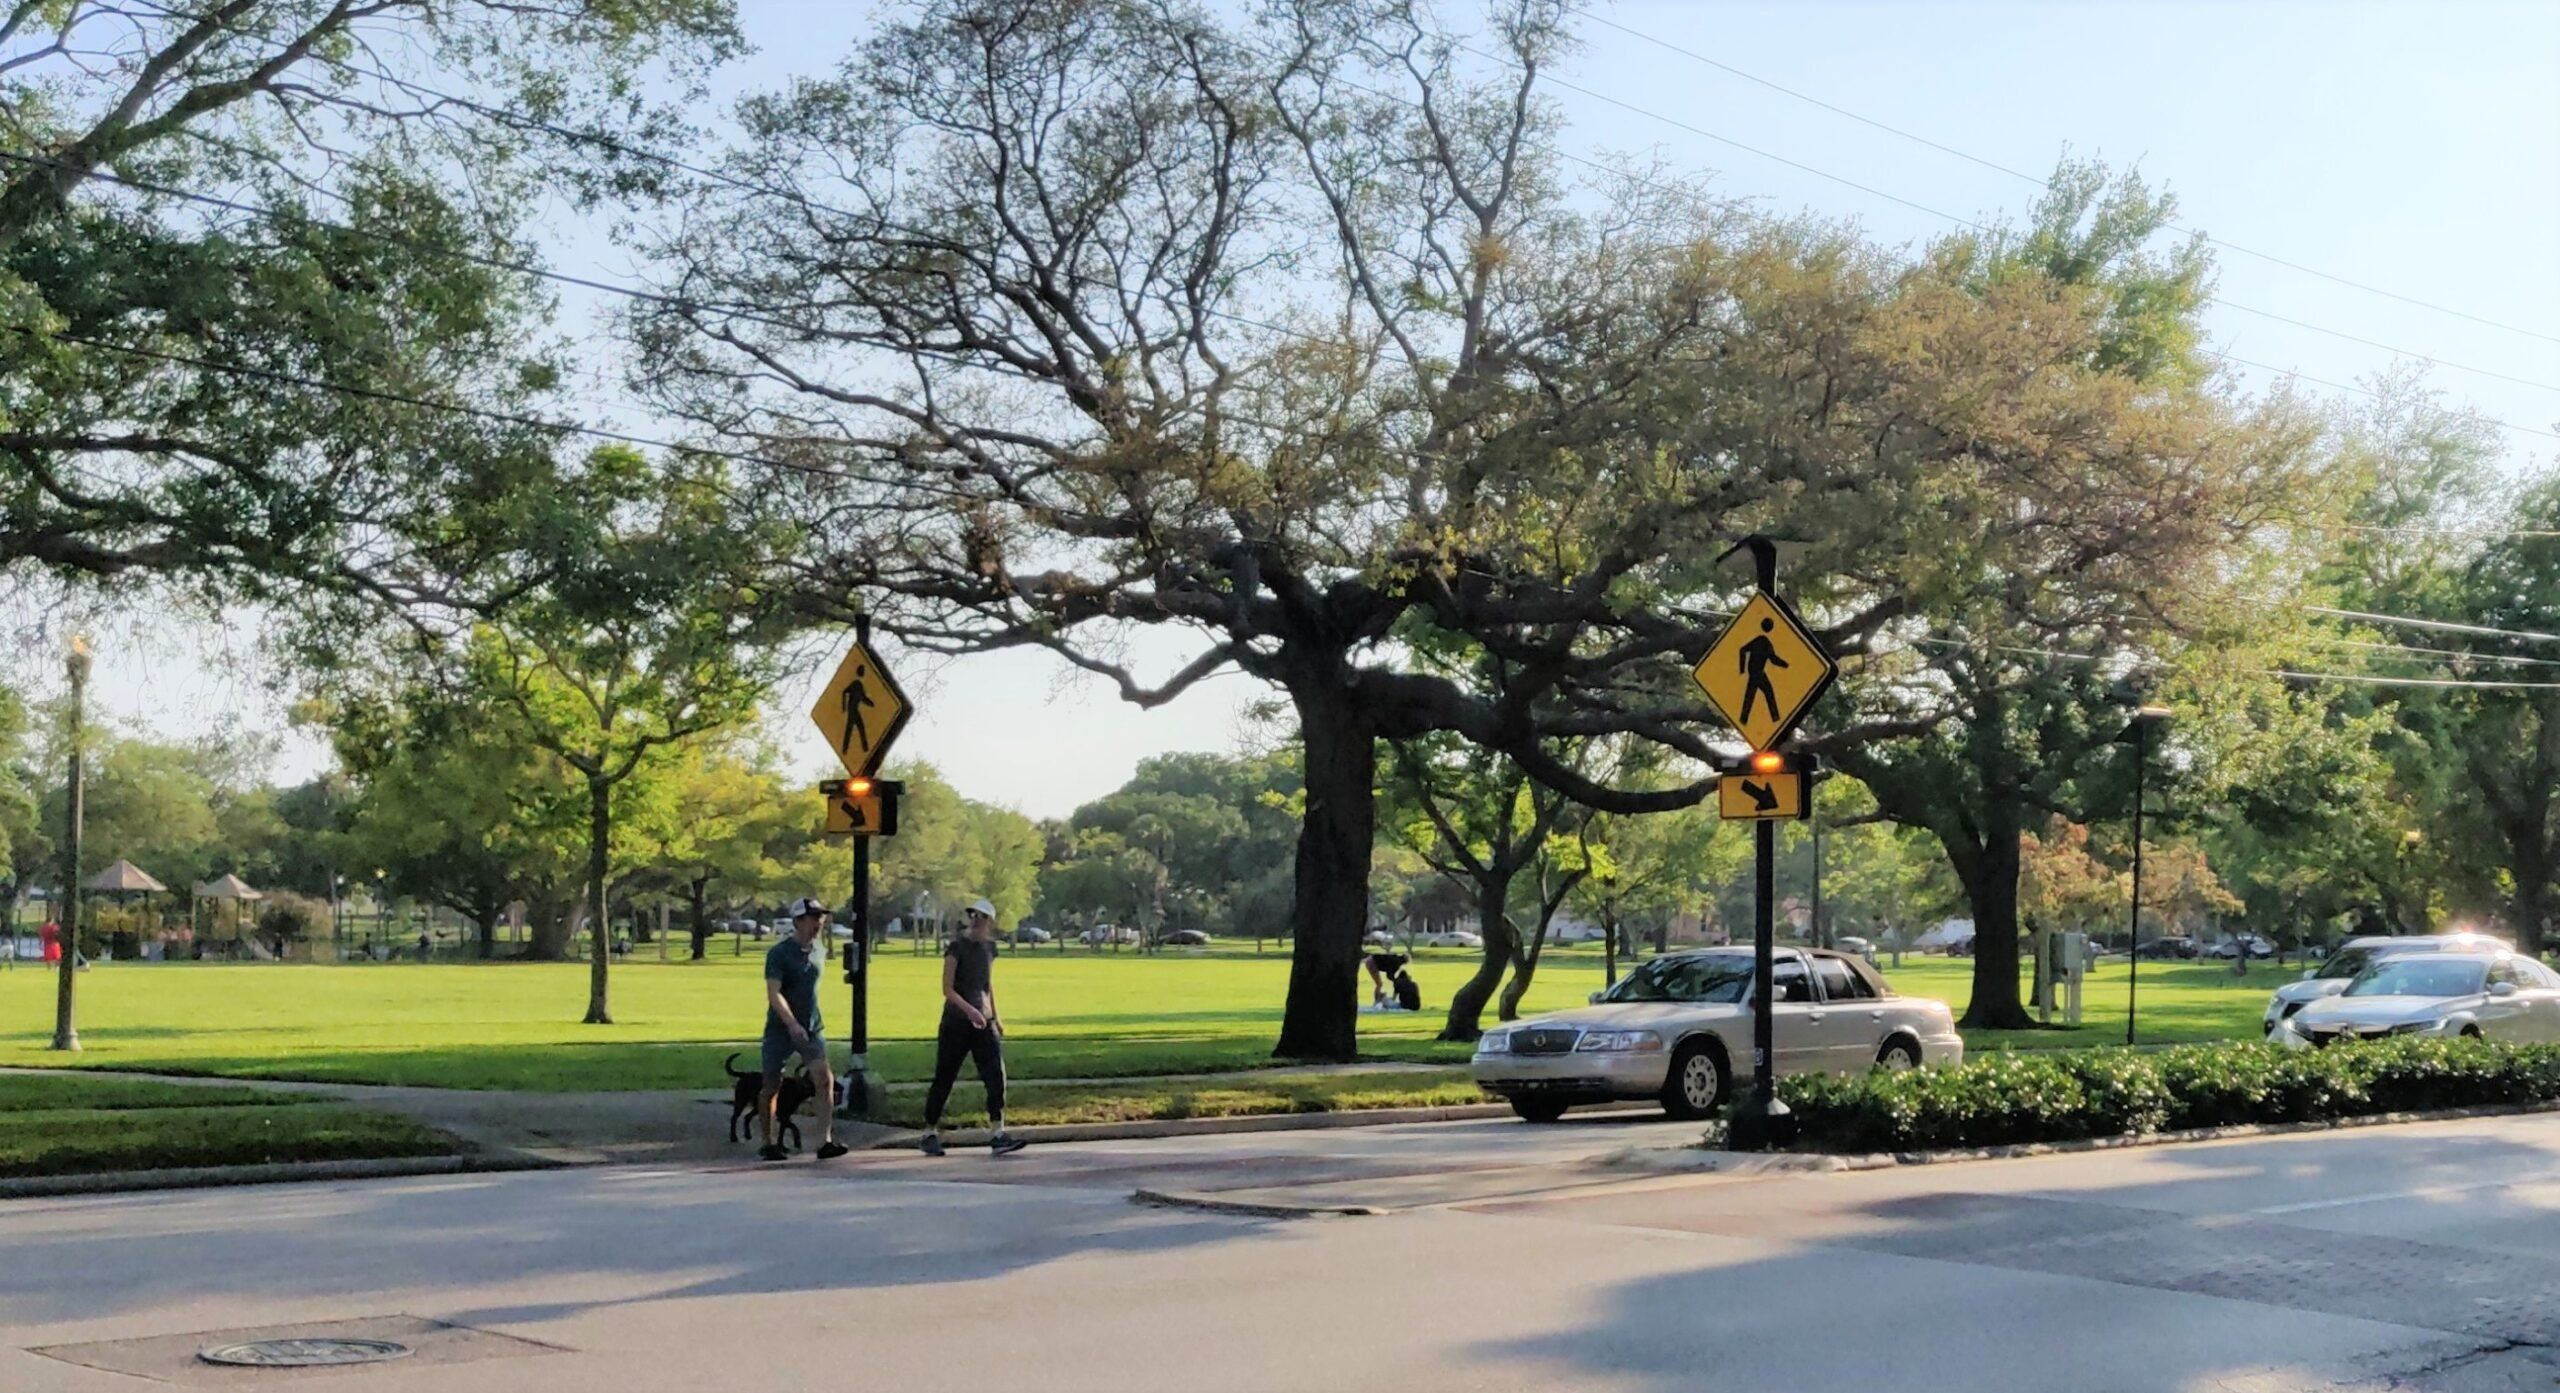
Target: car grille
<point>1544,1040</point>
<point>2328,1037</point>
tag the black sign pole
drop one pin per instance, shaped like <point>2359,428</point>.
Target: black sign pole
<point>864,1095</point>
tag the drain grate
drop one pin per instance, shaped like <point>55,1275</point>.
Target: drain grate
<point>303,1354</point>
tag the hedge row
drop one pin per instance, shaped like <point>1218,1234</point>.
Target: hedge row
<point>2008,1098</point>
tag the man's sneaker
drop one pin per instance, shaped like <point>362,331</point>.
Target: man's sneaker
<point>832,1150</point>
<point>1005,1145</point>
<point>931,1145</point>
<point>773,1152</point>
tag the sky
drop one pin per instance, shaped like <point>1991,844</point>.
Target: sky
<point>2412,149</point>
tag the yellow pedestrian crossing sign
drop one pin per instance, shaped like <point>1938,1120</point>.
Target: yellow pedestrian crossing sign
<point>861,711</point>
<point>1765,671</point>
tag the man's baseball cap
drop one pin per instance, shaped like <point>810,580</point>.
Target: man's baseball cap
<point>984,907</point>
<point>806,905</point>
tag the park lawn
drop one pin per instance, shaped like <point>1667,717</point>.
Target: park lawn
<point>1076,1015</point>
<point>1244,1095</point>
<point>52,1126</point>
<point>515,1025</point>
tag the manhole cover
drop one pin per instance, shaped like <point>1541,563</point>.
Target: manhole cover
<point>304,1354</point>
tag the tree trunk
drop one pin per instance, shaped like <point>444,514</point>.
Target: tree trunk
<point>547,930</point>
<point>1990,876</point>
<point>1330,910</point>
<point>485,925</point>
<point>697,891</point>
<point>1501,943</point>
<point>599,936</point>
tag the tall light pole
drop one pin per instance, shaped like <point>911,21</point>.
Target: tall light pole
<point>66,1029</point>
<point>2137,733</point>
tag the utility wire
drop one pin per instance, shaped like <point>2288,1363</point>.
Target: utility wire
<point>522,121</point>
<point>429,403</point>
<point>1977,225</point>
<point>2019,174</point>
<point>2444,626</point>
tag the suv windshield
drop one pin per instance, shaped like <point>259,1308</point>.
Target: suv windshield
<point>1709,977</point>
<point>2347,963</point>
<point>2420,975</point>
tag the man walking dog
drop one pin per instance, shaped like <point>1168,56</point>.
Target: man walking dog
<point>791,1027</point>
<point>970,1030</point>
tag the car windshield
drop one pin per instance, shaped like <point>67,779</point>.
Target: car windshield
<point>2347,963</point>
<point>1709,977</point>
<point>2412,975</point>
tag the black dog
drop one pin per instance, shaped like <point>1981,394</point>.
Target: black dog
<point>747,1090</point>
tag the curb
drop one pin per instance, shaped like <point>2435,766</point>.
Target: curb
<point>1214,1204</point>
<point>1215,1126</point>
<point>277,1173</point>
<point>1700,1158</point>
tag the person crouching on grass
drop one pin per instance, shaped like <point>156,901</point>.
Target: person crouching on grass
<point>791,1027</point>
<point>970,1030</point>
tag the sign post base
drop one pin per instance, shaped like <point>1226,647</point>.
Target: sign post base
<point>861,1094</point>
<point>1755,1129</point>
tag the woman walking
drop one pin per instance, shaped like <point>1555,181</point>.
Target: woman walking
<point>970,1030</point>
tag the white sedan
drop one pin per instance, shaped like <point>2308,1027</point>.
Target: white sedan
<point>2491,996</point>
<point>2357,954</point>
<point>1449,938</point>
<point>1677,1029</point>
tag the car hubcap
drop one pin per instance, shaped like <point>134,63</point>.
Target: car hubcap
<point>1699,1083</point>
<point>1897,1059</point>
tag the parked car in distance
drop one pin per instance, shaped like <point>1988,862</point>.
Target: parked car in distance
<point>1377,938</point>
<point>1101,934</point>
<point>1566,931</point>
<point>1673,1028</point>
<point>2167,948</point>
<point>2230,947</point>
<point>1032,933</point>
<point>2357,954</point>
<point>1449,938</point>
<point>2480,995</point>
<point>1855,946</point>
<point>1184,938</point>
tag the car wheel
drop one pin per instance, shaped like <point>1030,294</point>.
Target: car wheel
<point>2472,1032</point>
<point>1697,1083</point>
<point>1898,1054</point>
<point>1537,1109</point>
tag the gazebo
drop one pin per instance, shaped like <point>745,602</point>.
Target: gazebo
<point>125,878</point>
<point>232,888</point>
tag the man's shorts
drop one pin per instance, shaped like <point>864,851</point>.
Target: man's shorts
<point>779,1047</point>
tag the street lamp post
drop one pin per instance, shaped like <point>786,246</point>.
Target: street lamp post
<point>2137,733</point>
<point>66,1029</point>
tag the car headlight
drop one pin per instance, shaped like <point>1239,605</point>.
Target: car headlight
<point>1619,1041</point>
<point>2417,1027</point>
<point>1494,1042</point>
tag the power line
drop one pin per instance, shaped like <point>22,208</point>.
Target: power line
<point>2019,174</point>
<point>1979,226</point>
<point>2361,679</point>
<point>431,404</point>
<point>2444,626</point>
<point>2453,656</point>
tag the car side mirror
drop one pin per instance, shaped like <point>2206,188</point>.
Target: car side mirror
<point>2310,974</point>
<point>1595,998</point>
<point>2502,989</point>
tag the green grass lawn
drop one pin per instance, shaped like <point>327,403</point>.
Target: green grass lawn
<point>1073,1015</point>
<point>1242,1095</point>
<point>54,1126</point>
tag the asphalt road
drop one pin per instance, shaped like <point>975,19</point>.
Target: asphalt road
<point>2414,1258</point>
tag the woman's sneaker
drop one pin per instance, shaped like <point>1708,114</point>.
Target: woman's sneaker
<point>931,1145</point>
<point>1003,1144</point>
<point>773,1152</point>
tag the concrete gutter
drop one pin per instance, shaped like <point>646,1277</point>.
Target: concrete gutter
<point>1215,1126</point>
<point>1701,1158</point>
<point>275,1173</point>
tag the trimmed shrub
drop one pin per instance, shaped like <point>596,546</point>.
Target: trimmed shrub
<point>2009,1098</point>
